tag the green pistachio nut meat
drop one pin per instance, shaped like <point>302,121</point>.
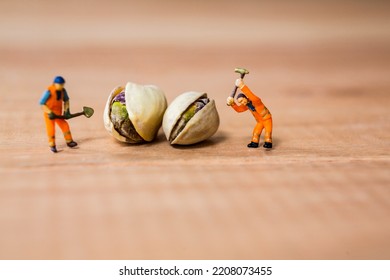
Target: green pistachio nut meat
<point>191,118</point>
<point>120,119</point>
<point>134,114</point>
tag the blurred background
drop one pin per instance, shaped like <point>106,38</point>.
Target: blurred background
<point>155,42</point>
<point>321,67</point>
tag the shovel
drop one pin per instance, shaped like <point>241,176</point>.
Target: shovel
<point>87,111</point>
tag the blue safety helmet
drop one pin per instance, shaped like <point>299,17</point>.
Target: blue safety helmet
<point>59,80</point>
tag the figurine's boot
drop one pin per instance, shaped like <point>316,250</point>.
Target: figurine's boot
<point>268,139</point>
<point>71,144</point>
<point>69,139</point>
<point>253,145</point>
<point>53,149</point>
<point>267,145</point>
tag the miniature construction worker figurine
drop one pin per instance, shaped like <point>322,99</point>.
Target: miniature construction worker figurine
<point>51,103</point>
<point>248,100</point>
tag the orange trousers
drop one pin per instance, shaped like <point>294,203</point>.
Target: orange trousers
<point>51,130</point>
<point>267,124</point>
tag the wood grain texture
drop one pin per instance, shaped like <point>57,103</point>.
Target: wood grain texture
<point>323,192</point>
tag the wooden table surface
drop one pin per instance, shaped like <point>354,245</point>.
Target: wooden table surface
<point>323,192</point>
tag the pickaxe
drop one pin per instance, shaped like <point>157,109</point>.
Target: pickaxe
<point>242,72</point>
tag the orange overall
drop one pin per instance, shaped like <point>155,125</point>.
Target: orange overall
<point>56,107</point>
<point>261,114</point>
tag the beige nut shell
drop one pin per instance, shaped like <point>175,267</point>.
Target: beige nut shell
<point>199,128</point>
<point>145,105</point>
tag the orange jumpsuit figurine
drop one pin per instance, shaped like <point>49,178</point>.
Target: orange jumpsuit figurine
<point>248,100</point>
<point>51,103</point>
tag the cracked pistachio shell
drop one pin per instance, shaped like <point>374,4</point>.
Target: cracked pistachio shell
<point>199,128</point>
<point>145,105</point>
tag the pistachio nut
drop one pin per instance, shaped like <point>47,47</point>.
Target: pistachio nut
<point>134,114</point>
<point>191,118</point>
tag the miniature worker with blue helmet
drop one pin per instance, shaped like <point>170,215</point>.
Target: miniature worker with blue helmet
<point>51,103</point>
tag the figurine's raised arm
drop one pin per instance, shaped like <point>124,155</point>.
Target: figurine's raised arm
<point>245,89</point>
<point>237,108</point>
